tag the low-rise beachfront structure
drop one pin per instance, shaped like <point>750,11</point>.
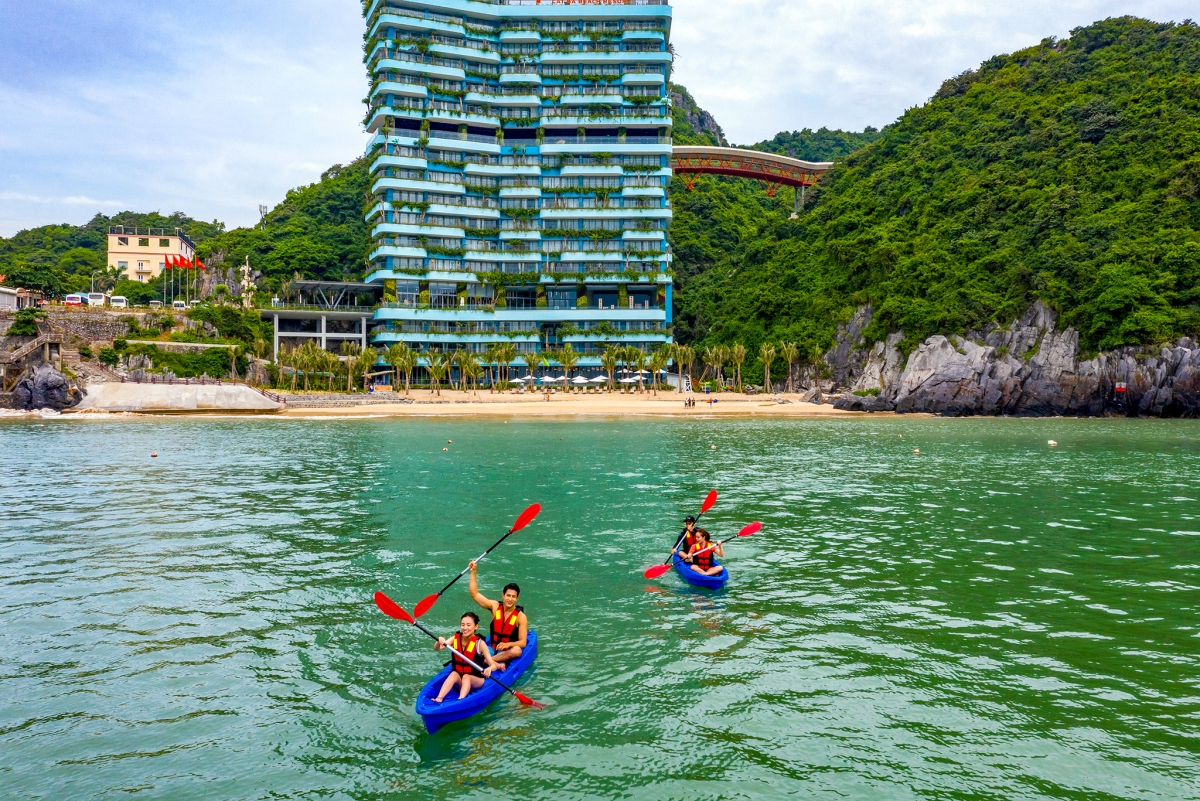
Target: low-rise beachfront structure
<point>521,158</point>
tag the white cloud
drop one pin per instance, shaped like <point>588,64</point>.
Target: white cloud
<point>248,101</point>
<point>764,66</point>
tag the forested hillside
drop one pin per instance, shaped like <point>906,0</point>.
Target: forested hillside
<point>1069,172</point>
<point>318,231</point>
<point>64,258</point>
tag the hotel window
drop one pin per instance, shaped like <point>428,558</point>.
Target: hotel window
<point>144,242</point>
<point>122,240</point>
<point>122,265</point>
<point>164,243</point>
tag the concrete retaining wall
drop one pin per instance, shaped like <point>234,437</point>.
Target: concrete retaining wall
<point>113,396</point>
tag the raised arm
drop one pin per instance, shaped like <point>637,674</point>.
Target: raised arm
<point>479,599</point>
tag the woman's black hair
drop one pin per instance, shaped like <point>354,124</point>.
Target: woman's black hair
<point>707,536</point>
<point>471,615</point>
<point>512,586</point>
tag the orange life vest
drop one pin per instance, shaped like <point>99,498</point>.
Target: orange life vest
<point>505,628</point>
<point>469,650</point>
<point>704,560</point>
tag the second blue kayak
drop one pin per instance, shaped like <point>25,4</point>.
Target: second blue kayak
<point>453,708</point>
<point>699,579</point>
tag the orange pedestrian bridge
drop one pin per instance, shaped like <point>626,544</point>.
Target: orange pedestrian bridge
<point>772,169</point>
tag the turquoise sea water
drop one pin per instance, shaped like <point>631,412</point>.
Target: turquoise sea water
<point>991,619</point>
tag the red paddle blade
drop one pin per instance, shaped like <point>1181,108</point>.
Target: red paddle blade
<point>753,528</point>
<point>426,604</point>
<point>656,571</point>
<point>527,701</point>
<point>708,502</point>
<point>391,608</point>
<point>526,517</point>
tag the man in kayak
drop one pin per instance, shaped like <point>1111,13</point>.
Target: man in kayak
<point>689,536</point>
<point>467,674</point>
<point>510,627</point>
<point>703,554</point>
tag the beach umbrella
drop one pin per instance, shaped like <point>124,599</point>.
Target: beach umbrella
<point>598,379</point>
<point>627,380</point>
<point>579,380</point>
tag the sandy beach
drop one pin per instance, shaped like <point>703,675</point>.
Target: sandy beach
<point>665,404</point>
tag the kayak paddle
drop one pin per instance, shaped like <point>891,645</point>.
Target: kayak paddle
<point>748,531</point>
<point>427,603</point>
<point>704,507</point>
<point>393,609</point>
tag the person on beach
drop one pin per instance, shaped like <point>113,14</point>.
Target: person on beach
<point>510,627</point>
<point>689,536</point>
<point>467,674</point>
<point>703,554</point>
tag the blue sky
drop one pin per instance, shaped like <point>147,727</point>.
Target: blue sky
<point>211,106</point>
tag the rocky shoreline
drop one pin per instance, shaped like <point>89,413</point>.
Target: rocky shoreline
<point>1027,368</point>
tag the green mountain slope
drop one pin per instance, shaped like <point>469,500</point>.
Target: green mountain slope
<point>62,258</point>
<point>317,230</point>
<point>1069,171</point>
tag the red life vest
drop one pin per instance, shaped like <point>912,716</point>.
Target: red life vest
<point>704,560</point>
<point>505,628</point>
<point>689,541</point>
<point>469,650</point>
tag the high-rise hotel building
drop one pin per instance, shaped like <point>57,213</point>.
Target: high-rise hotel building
<point>520,159</point>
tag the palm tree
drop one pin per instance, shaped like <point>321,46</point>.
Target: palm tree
<point>291,361</point>
<point>531,360</point>
<point>350,351</point>
<point>635,357</point>
<point>568,357</point>
<point>737,355</point>
<point>438,365</point>
<point>472,369</point>
<point>608,360</point>
<point>767,353</point>
<point>505,356</point>
<point>490,360</point>
<point>364,363</point>
<point>332,365</point>
<point>305,359</point>
<point>713,359</point>
<point>408,363</point>
<point>394,356</point>
<point>658,361</point>
<point>684,356</point>
<point>788,352</point>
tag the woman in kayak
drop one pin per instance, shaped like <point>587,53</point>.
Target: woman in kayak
<point>466,675</point>
<point>689,537</point>
<point>510,627</point>
<point>703,554</point>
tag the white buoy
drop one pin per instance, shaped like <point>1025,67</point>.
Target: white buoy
<point>1051,443</point>
<point>445,449</point>
<point>917,450</point>
<point>714,447</point>
<point>153,455</point>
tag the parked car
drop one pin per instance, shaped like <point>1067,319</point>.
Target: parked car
<point>156,304</point>
<point>118,302</point>
<point>179,304</point>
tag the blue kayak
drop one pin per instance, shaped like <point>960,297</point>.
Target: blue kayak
<point>452,708</point>
<point>699,579</point>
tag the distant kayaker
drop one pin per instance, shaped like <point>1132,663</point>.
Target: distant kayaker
<point>689,536</point>
<point>703,554</point>
<point>510,627</point>
<point>466,675</point>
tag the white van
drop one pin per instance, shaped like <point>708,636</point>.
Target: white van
<point>156,304</point>
<point>75,299</point>
<point>179,304</point>
<point>97,299</point>
<point>118,302</point>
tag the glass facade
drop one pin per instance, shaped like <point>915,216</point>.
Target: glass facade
<point>520,156</point>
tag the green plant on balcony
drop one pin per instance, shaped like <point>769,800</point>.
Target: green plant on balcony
<point>454,165</point>
<point>640,168</point>
<point>542,303</point>
<point>622,296</point>
<point>581,302</point>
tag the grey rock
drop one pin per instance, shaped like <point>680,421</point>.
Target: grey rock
<point>813,396</point>
<point>847,358</point>
<point>862,403</point>
<point>46,388</point>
